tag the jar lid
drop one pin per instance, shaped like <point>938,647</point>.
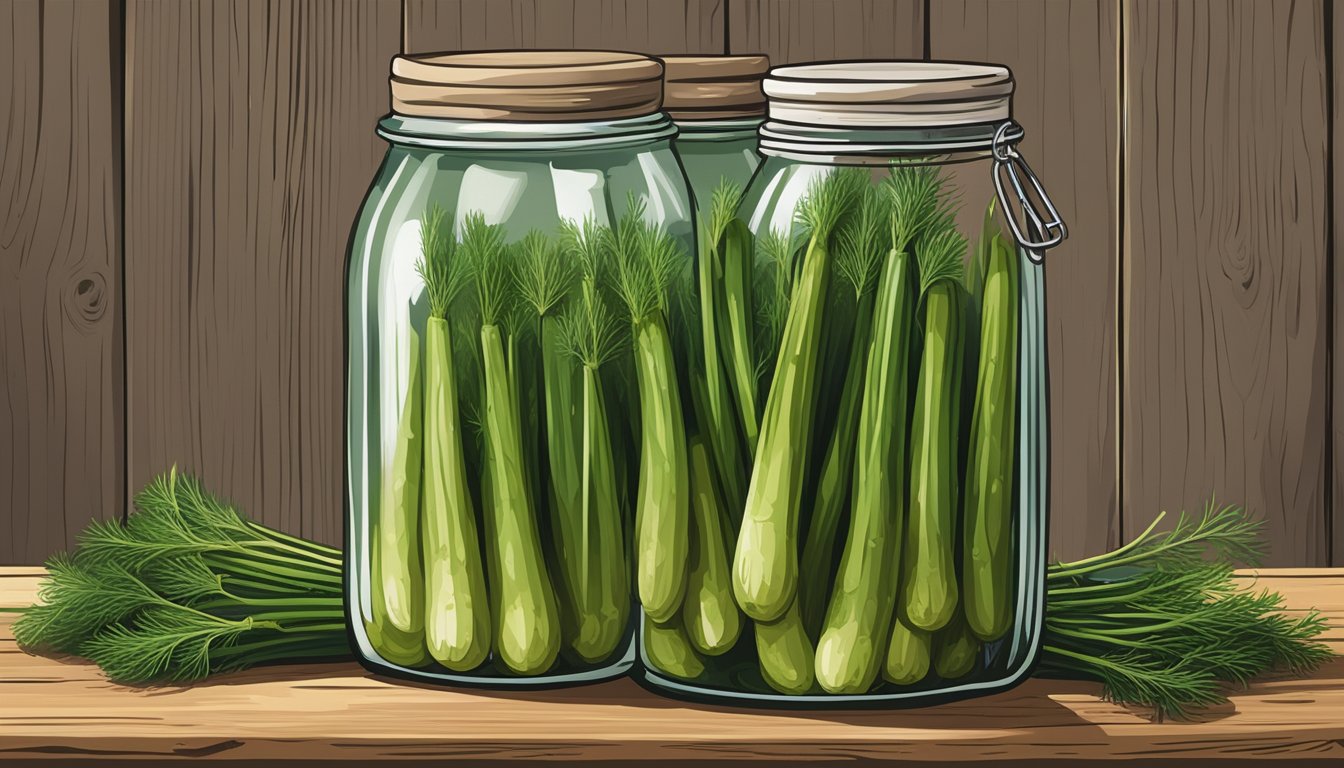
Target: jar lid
<point>883,94</point>
<point>540,86</point>
<point>714,87</point>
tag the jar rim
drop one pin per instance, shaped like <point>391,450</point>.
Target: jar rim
<point>725,129</point>
<point>490,135</point>
<point>878,146</point>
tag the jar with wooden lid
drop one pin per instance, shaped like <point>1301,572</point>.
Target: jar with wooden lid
<point>513,272</point>
<point>717,104</point>
<point>877,510</point>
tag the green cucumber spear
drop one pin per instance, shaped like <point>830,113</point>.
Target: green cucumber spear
<point>398,626</point>
<point>854,638</point>
<point>863,248</point>
<point>987,549</point>
<point>544,277</point>
<point>929,580</point>
<point>765,564</point>
<point>728,252</point>
<point>527,626</point>
<point>717,414</point>
<point>457,613</point>
<point>646,261</point>
<point>710,615</point>
<point>589,335</point>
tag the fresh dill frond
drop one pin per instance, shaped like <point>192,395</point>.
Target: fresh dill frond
<point>168,643</point>
<point>646,260</point>
<point>484,249</point>
<point>439,266</point>
<point>75,600</point>
<point>723,206</point>
<point>1226,533</point>
<point>775,268</point>
<point>829,199</point>
<point>917,203</point>
<point>544,276</point>
<point>863,243</point>
<point>940,254</point>
<point>588,244</point>
<point>589,331</point>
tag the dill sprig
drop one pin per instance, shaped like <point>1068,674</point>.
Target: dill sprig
<point>776,267</point>
<point>543,274</point>
<point>485,252</point>
<point>918,203</point>
<point>589,331</point>
<point>1161,623</point>
<point>587,243</point>
<point>829,200</point>
<point>862,243</point>
<point>940,254</point>
<point>439,266</point>
<point>646,260</point>
<point>723,206</point>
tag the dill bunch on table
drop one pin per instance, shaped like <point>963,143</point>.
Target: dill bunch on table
<point>186,588</point>
<point>1162,623</point>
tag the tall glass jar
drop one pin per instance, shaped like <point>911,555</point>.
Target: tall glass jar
<point>882,488</point>
<point>489,488</point>
<point>717,104</point>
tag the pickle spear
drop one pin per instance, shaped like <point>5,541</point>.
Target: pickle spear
<point>457,615</point>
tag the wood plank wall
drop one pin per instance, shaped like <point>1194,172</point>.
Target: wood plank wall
<point>213,152</point>
<point>61,378</point>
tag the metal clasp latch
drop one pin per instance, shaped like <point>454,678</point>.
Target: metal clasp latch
<point>1045,229</point>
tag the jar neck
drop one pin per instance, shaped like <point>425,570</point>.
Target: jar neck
<point>476,135</point>
<point>727,129</point>
<point>881,145</point>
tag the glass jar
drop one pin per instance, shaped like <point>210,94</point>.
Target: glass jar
<point>488,482</point>
<point>717,104</point>
<point>881,497</point>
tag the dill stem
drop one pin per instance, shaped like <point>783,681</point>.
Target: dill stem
<point>251,555</point>
<point>1109,639</point>
<point>303,547</point>
<point>264,583</point>
<point>299,615</point>
<point>248,564</point>
<point>315,602</point>
<point>1079,567</point>
<point>288,646</point>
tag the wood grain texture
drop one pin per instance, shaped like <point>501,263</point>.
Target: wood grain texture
<point>1065,58</point>
<point>63,710</point>
<point>1336,524</point>
<point>249,146</point>
<point>816,30</point>
<point>61,375</point>
<point>649,26</point>
<point>1224,373</point>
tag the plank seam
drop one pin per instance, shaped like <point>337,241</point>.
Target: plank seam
<point>123,499</point>
<point>1122,233</point>
<point>1332,555</point>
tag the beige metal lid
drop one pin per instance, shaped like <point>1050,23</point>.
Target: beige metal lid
<point>714,87</point>
<point>542,86</point>
<point>890,93</point>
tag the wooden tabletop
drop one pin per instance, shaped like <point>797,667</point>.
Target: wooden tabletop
<point>64,711</point>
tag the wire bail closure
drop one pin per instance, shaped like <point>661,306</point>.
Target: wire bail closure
<point>1044,229</point>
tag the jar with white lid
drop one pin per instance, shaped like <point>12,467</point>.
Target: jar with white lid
<point>885,516</point>
<point>717,105</point>
<point>490,456</point>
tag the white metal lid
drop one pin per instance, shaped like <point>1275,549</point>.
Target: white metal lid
<point>877,94</point>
